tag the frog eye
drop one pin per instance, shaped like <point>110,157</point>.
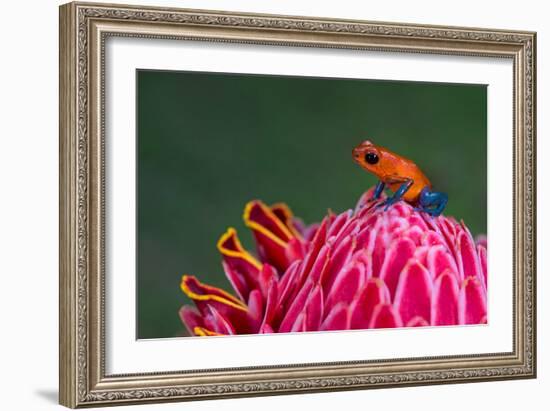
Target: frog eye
<point>371,158</point>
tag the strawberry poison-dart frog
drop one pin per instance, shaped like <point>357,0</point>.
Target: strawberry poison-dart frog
<point>402,176</point>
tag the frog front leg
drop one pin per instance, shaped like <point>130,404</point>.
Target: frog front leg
<point>398,195</point>
<point>378,190</point>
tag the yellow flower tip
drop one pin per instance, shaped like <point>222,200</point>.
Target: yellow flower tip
<point>183,285</point>
<point>287,212</point>
<point>248,210</point>
<point>288,216</point>
<point>255,226</point>
<point>225,236</point>
<point>211,294</point>
<point>240,252</point>
<point>204,332</point>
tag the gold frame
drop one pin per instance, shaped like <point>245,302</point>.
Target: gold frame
<point>84,27</point>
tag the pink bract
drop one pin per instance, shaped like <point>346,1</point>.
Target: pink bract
<point>367,268</point>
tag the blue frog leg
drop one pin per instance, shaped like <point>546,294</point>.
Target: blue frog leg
<point>398,195</point>
<point>432,202</point>
<point>378,190</point>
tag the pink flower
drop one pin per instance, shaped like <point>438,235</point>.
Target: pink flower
<point>364,269</point>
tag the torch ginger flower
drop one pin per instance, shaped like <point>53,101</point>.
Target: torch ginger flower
<point>364,269</point>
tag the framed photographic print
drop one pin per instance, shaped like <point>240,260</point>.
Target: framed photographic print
<point>259,204</point>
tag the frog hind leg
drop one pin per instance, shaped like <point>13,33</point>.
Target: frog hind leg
<point>432,202</point>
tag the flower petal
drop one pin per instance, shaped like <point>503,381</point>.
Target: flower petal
<point>366,199</point>
<point>421,254</point>
<point>361,309</point>
<point>448,228</point>
<point>271,235</point>
<point>285,215</point>
<point>200,292</point>
<point>266,277</point>
<point>481,240</point>
<point>444,309</point>
<point>440,260</point>
<point>205,296</point>
<point>341,256</point>
<point>351,228</point>
<point>472,302</point>
<point>368,209</point>
<point>415,233</point>
<point>314,249</point>
<point>256,306</point>
<point>417,322</point>
<point>320,266</point>
<point>299,324</point>
<point>308,232</point>
<point>242,268</point>
<point>482,252</point>
<point>433,238</point>
<point>338,223</point>
<point>191,318</point>
<point>414,292</point>
<point>364,237</point>
<point>397,225</point>
<point>271,308</point>
<point>346,285</point>
<point>385,316</point>
<point>237,280</point>
<point>395,260</point>
<point>376,247</point>
<point>468,263</point>
<point>401,209</point>
<point>288,285</point>
<point>311,312</point>
<point>361,256</point>
<point>204,332</point>
<point>295,308</point>
<point>218,323</point>
<point>416,221</point>
<point>314,310</point>
<point>295,250</point>
<point>336,319</point>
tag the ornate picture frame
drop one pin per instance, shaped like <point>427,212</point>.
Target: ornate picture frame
<point>84,29</point>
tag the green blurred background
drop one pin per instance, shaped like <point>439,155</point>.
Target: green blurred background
<point>208,143</point>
